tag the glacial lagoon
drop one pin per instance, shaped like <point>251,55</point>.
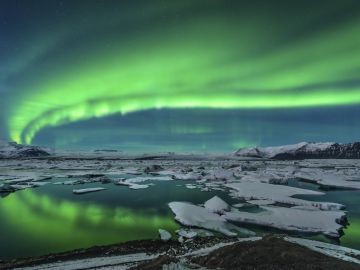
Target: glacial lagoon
<point>52,219</point>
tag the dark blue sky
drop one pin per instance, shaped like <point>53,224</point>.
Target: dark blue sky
<point>205,130</point>
<point>179,75</point>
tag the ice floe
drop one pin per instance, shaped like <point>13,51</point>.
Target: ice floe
<point>87,190</point>
<point>216,205</point>
<point>329,179</point>
<point>193,215</point>
<point>326,222</point>
<point>164,235</point>
<point>278,193</point>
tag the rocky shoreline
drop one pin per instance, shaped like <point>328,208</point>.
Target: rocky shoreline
<point>270,252</point>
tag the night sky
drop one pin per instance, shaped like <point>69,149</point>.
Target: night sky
<point>179,75</point>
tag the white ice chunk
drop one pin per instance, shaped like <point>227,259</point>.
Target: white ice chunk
<point>189,234</point>
<point>138,186</point>
<point>190,186</point>
<point>87,190</point>
<point>261,202</point>
<point>164,235</point>
<point>153,178</point>
<point>216,205</point>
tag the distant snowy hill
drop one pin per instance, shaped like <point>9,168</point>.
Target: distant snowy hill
<point>304,150</point>
<point>14,150</point>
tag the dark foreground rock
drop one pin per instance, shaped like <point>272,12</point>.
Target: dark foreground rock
<point>150,246</point>
<point>270,253</point>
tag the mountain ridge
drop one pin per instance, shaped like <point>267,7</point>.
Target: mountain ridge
<point>304,150</point>
<point>14,150</point>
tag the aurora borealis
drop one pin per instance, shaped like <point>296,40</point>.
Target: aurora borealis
<point>78,62</point>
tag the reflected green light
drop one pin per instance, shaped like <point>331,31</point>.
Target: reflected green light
<point>69,225</point>
<point>352,234</point>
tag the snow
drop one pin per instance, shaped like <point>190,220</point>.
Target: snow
<point>189,234</point>
<point>261,202</point>
<point>288,219</point>
<point>266,176</point>
<point>124,262</point>
<point>339,252</point>
<point>185,176</point>
<point>190,186</point>
<point>238,205</point>
<point>220,174</point>
<point>87,190</point>
<point>118,262</point>
<point>153,178</point>
<point>328,178</point>
<point>291,219</point>
<point>164,235</point>
<point>271,152</point>
<point>262,183</point>
<point>138,186</point>
<point>278,193</point>
<point>206,250</point>
<point>131,185</point>
<point>192,215</point>
<point>216,205</point>
<point>14,150</point>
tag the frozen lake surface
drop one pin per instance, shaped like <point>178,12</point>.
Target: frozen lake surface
<point>53,205</point>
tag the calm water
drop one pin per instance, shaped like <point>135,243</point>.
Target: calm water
<point>349,198</point>
<point>52,219</point>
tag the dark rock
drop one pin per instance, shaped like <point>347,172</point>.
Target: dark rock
<point>156,264</point>
<point>271,253</point>
<point>14,150</point>
<point>153,168</point>
<point>105,180</point>
<point>33,152</point>
<point>6,188</point>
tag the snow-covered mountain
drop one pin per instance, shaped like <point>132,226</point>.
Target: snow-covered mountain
<point>304,150</point>
<point>14,150</point>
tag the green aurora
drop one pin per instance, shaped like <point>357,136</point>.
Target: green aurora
<point>201,54</point>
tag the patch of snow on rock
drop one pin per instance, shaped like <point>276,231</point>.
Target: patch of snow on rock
<point>339,252</point>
